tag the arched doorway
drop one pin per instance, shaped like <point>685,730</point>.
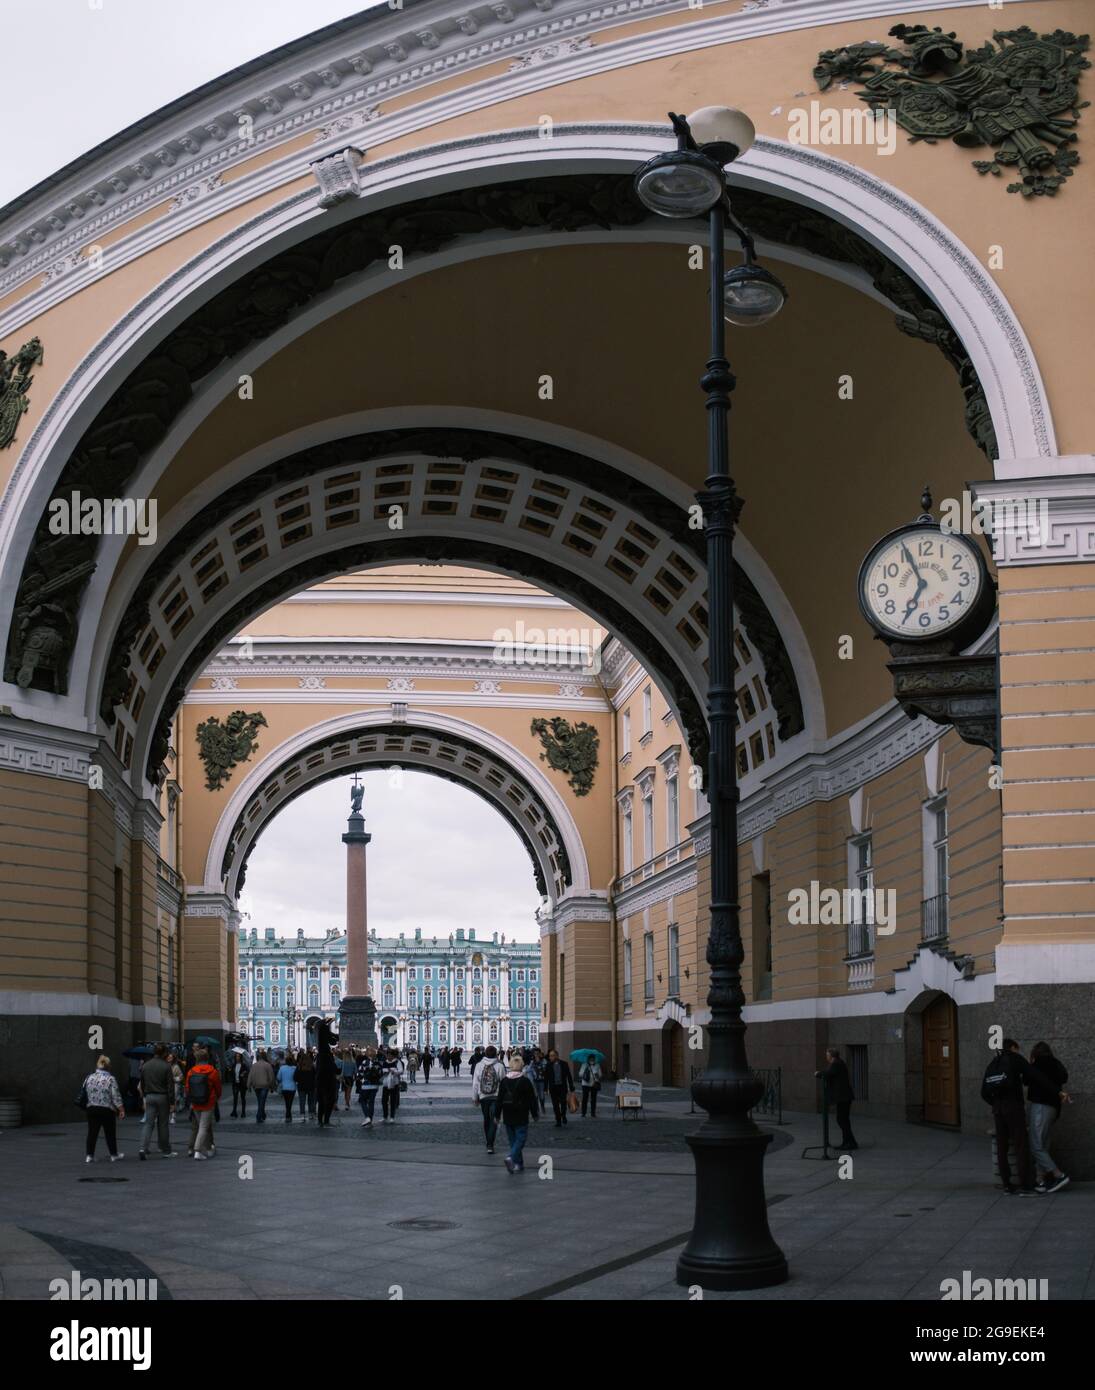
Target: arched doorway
<point>389,1031</point>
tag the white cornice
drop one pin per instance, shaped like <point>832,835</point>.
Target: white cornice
<point>1069,501</point>
<point>479,599</point>
<point>678,878</point>
<point>470,699</point>
<point>586,907</point>
<point>186,153</point>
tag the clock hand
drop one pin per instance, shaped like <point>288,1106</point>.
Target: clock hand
<point>921,584</point>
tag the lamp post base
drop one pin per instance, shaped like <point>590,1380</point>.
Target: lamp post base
<point>357,1020</point>
<point>731,1247</point>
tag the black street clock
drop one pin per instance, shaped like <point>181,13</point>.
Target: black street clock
<point>929,595</point>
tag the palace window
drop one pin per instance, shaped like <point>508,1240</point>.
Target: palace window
<point>260,973</point>
<point>388,997</point>
<point>275,998</point>
<point>520,974</point>
<point>494,974</point>
<point>532,974</point>
<point>459,998</point>
<point>477,1033</point>
<point>336,973</point>
<point>648,967</point>
<point>672,813</point>
<point>674,959</point>
<point>520,998</point>
<point>429,973</point>
<point>628,841</point>
<point>412,1032</point>
<point>427,996</point>
<point>260,1030</point>
<point>313,996</point>
<point>335,997</point>
<point>275,1031</point>
<point>477,974</point>
<point>243,974</point>
<point>388,972</point>
<point>459,1032</point>
<point>443,998</point>
<point>260,999</point>
<point>532,998</point>
<point>494,998</point>
<point>477,998</point>
<point>243,998</point>
<point>648,710</point>
<point>762,936</point>
<point>412,997</point>
<point>443,1032</point>
<point>648,826</point>
<point>533,1033</point>
<point>520,1032</point>
<point>625,733</point>
<point>627,974</point>
<point>288,996</point>
<point>313,972</point>
<point>493,1033</point>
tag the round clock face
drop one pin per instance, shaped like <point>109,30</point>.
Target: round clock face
<point>921,582</point>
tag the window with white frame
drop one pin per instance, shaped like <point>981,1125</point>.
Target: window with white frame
<point>477,998</point>
<point>672,812</point>
<point>933,912</point>
<point>243,998</point>
<point>861,875</point>
<point>494,1032</point>
<point>628,842</point>
<point>520,1032</point>
<point>494,998</point>
<point>459,998</point>
<point>443,1032</point>
<point>477,1032</point>
<point>625,733</point>
<point>260,999</point>
<point>412,997</point>
<point>313,996</point>
<point>533,1033</point>
<point>648,710</point>
<point>674,959</point>
<point>260,974</point>
<point>520,998</point>
<point>459,1032</point>
<point>648,826</point>
<point>260,1030</point>
<point>275,1031</point>
<point>648,966</point>
<point>275,997</point>
<point>388,997</point>
<point>336,973</point>
<point>313,972</point>
<point>443,998</point>
<point>627,974</point>
<point>387,972</point>
<point>532,998</point>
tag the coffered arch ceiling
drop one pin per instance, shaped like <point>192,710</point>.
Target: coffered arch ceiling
<point>612,546</point>
<point>48,616</point>
<point>444,747</point>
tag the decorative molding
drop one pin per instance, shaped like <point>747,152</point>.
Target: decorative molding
<point>194,191</point>
<point>678,878</point>
<point>588,907</point>
<point>340,125</point>
<point>357,694</point>
<point>15,381</point>
<point>401,685</point>
<point>550,53</point>
<point>204,904</point>
<point>1070,501</point>
<point>569,748</point>
<point>226,683</point>
<point>337,176</point>
<point>305,683</point>
<point>488,688</point>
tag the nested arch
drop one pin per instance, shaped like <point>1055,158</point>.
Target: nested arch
<point>443,745</point>
<point>616,549</point>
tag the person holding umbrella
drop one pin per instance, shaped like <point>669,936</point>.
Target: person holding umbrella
<point>589,1076</point>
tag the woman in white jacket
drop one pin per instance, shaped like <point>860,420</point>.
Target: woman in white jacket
<point>589,1076</point>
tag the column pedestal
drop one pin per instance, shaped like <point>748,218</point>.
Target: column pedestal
<point>356,1011</point>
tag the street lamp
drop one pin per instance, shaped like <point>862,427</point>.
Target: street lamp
<point>730,1246</point>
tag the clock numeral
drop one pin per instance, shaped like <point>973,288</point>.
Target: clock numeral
<point>925,620</point>
<point>964,579</point>
<point>958,561</point>
<point>890,606</point>
<point>958,599</point>
<point>944,615</point>
<point>882,590</point>
<point>925,548</point>
<point>890,571</point>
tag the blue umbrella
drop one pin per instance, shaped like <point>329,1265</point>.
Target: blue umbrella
<point>141,1050</point>
<point>585,1054</point>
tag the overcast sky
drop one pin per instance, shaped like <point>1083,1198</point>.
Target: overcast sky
<point>441,857</point>
<point>79,71</point>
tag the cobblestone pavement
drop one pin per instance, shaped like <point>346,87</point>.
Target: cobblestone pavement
<point>602,1211</point>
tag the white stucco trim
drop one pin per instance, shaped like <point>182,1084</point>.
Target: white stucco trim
<point>1051,963</point>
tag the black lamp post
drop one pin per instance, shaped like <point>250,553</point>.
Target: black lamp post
<point>731,1246</point>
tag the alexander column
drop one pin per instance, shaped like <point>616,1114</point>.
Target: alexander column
<point>357,1011</point>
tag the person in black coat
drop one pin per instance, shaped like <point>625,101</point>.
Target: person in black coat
<point>1045,1091</point>
<point>1010,1116</point>
<point>558,1079</point>
<point>838,1091</point>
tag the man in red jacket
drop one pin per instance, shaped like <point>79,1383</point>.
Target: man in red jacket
<point>203,1089</point>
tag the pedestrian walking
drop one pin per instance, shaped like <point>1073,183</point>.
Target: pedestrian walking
<point>839,1091</point>
<point>367,1079</point>
<point>517,1103</point>
<point>178,1077</point>
<point>392,1069</point>
<point>241,1070</point>
<point>287,1084</point>
<point>305,1078</point>
<point>558,1079</point>
<point>1045,1091</point>
<point>486,1081</point>
<point>589,1074</point>
<point>427,1064</point>
<point>348,1067</point>
<point>1002,1088</point>
<point>535,1073</point>
<point>444,1058</point>
<point>261,1079</point>
<point>455,1055</point>
<point>102,1098</point>
<point>203,1089</point>
<point>412,1066</point>
<point>158,1094</point>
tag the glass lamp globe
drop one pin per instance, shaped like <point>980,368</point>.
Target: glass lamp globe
<point>730,132</point>
<point>682,184</point>
<point>751,295</point>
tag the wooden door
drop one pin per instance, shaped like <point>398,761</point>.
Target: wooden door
<point>676,1056</point>
<point>941,1062</point>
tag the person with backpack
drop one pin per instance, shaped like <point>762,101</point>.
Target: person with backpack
<point>1002,1088</point>
<point>1045,1091</point>
<point>516,1102</point>
<point>589,1074</point>
<point>486,1081</point>
<point>101,1097</point>
<point>158,1094</point>
<point>392,1075</point>
<point>261,1080</point>
<point>838,1091</point>
<point>287,1084</point>
<point>203,1089</point>
<point>558,1079</point>
<point>367,1079</point>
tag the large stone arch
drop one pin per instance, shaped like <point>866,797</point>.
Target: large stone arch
<point>909,240</point>
<point>614,548</point>
<point>444,745</point>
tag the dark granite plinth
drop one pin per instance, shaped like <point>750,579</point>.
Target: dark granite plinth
<point>357,1020</point>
